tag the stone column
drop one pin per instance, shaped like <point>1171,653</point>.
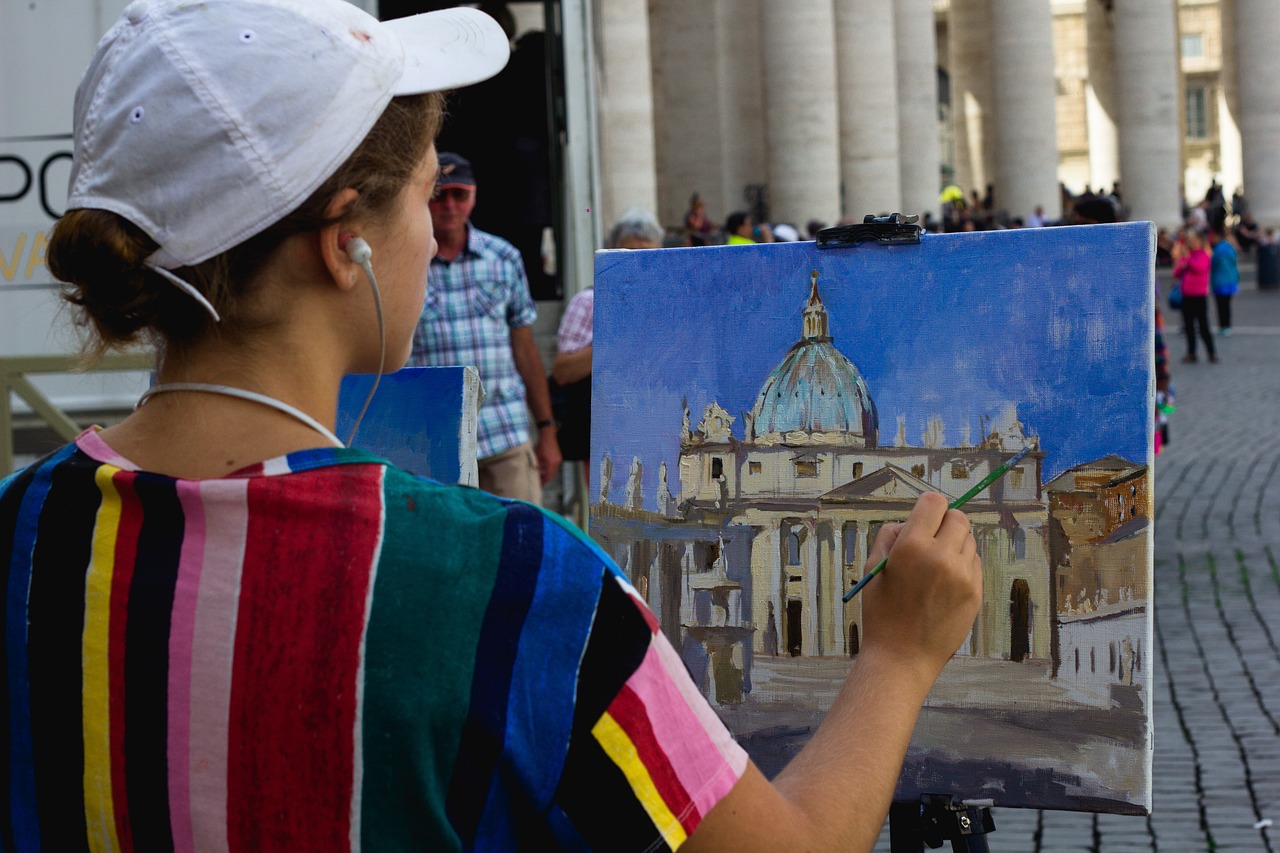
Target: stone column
<point>1257,32</point>
<point>741,105</point>
<point>1146,66</point>
<point>1230,154</point>
<point>915,51</point>
<point>685,82</point>
<point>969,46</point>
<point>868,88</point>
<point>627,156</point>
<point>1101,109</point>
<point>803,135</point>
<point>1026,124</point>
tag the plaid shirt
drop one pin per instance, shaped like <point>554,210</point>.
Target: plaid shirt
<point>473,303</point>
<point>575,325</point>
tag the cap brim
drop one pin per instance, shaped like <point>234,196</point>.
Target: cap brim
<point>448,49</point>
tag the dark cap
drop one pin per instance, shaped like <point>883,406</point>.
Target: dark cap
<point>455,171</point>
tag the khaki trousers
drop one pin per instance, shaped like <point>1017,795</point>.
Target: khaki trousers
<point>512,474</point>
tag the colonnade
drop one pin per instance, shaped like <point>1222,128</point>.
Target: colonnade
<point>830,106</point>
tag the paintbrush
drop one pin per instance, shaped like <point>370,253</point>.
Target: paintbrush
<point>956,504</point>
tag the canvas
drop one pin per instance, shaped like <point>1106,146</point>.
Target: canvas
<point>760,412</point>
<point>422,419</point>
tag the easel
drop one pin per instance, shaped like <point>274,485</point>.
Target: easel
<point>937,818</point>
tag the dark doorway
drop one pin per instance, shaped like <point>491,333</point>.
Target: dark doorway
<point>1019,621</point>
<point>794,609</point>
<point>853,639</point>
<point>508,127</point>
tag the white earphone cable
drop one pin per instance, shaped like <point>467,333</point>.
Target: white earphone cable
<point>360,252</point>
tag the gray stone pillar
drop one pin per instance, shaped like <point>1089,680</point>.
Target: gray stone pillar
<point>1101,109</point>
<point>1230,153</point>
<point>741,105</point>
<point>686,97</point>
<point>1025,90</point>
<point>869,132</point>
<point>1146,53</point>
<point>916,54</point>
<point>1257,33</point>
<point>628,160</point>
<point>803,135</point>
<point>969,46</point>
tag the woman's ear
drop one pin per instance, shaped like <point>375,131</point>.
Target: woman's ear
<point>333,237</point>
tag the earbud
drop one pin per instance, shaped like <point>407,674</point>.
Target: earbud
<point>356,248</point>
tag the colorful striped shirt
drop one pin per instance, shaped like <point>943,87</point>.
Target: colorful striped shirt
<point>473,302</point>
<point>322,652</point>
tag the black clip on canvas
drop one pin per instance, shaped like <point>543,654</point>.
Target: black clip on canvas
<point>891,230</point>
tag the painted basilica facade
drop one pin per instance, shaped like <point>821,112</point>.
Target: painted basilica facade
<point>770,526</point>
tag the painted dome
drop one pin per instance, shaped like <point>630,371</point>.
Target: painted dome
<point>815,389</point>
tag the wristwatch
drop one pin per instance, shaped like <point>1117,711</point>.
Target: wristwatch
<point>543,424</point>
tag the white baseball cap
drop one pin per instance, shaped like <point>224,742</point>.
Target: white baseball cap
<point>203,123</point>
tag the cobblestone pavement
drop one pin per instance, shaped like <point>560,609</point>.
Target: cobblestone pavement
<point>1217,614</point>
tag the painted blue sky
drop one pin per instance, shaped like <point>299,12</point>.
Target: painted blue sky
<point>1056,321</point>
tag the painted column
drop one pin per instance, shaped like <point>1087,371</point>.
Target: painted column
<point>869,132</point>
<point>741,108</point>
<point>1230,153</point>
<point>1101,108</point>
<point>969,46</point>
<point>839,635</point>
<point>685,84</point>
<point>803,134</point>
<point>1257,33</point>
<point>916,55</point>
<point>812,583</point>
<point>1147,78</point>
<point>688,615</point>
<point>628,158</point>
<point>1026,126</point>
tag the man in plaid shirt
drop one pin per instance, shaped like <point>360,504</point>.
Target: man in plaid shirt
<point>478,311</point>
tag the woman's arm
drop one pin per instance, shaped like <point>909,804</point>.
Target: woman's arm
<point>835,794</point>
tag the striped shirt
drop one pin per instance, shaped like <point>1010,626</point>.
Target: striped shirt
<point>322,652</point>
<point>473,302</point>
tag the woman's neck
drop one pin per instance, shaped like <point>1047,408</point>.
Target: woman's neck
<point>198,435</point>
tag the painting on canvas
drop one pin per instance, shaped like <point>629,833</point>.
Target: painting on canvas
<point>759,412</point>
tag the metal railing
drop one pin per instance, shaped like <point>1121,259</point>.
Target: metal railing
<point>13,381</point>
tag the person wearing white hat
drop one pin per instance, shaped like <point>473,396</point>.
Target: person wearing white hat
<point>224,630</point>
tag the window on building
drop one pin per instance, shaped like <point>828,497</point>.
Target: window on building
<point>806,467</point>
<point>959,471</point>
<point>753,467</point>
<point>793,548</point>
<point>850,545</point>
<point>1015,478</point>
<point>1192,46</point>
<point>857,470</point>
<point>1197,111</point>
<point>717,468</point>
<point>917,471</point>
<point>1019,544</point>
